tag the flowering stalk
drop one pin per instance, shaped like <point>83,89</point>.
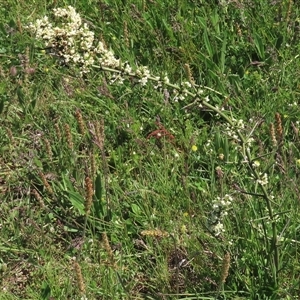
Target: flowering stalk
<point>260,178</point>
<point>74,43</point>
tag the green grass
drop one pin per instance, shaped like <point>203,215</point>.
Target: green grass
<point>155,202</point>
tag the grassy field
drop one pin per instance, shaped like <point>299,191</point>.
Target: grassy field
<point>152,153</point>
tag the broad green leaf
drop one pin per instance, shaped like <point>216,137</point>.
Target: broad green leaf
<point>136,209</point>
<point>98,187</point>
<point>208,44</point>
<point>77,201</point>
<point>20,95</point>
<point>259,46</point>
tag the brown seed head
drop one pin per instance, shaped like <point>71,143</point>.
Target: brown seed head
<point>279,130</point>
<point>189,74</point>
<point>99,134</point>
<point>79,277</point>
<point>38,197</point>
<point>107,247</point>
<point>288,12</point>
<point>57,130</point>
<point>10,135</point>
<point>48,148</point>
<point>46,183</point>
<point>225,267</point>
<point>19,25</point>
<point>80,121</point>
<point>125,34</point>
<point>69,136</point>
<point>273,136</point>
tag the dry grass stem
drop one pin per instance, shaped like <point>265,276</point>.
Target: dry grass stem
<point>296,130</point>
<point>99,134</point>
<point>26,60</point>
<point>92,163</point>
<point>288,12</point>
<point>278,127</point>
<point>89,195</point>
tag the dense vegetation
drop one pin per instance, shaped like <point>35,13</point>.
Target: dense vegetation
<point>153,153</point>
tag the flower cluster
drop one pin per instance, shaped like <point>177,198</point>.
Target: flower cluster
<point>143,74</point>
<point>68,38</point>
<point>263,180</point>
<point>231,130</point>
<point>73,42</point>
<point>220,210</point>
<point>181,94</point>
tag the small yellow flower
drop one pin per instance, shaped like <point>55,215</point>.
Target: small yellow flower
<point>155,233</point>
<point>194,148</point>
<point>256,164</point>
<point>298,162</point>
<point>183,229</point>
